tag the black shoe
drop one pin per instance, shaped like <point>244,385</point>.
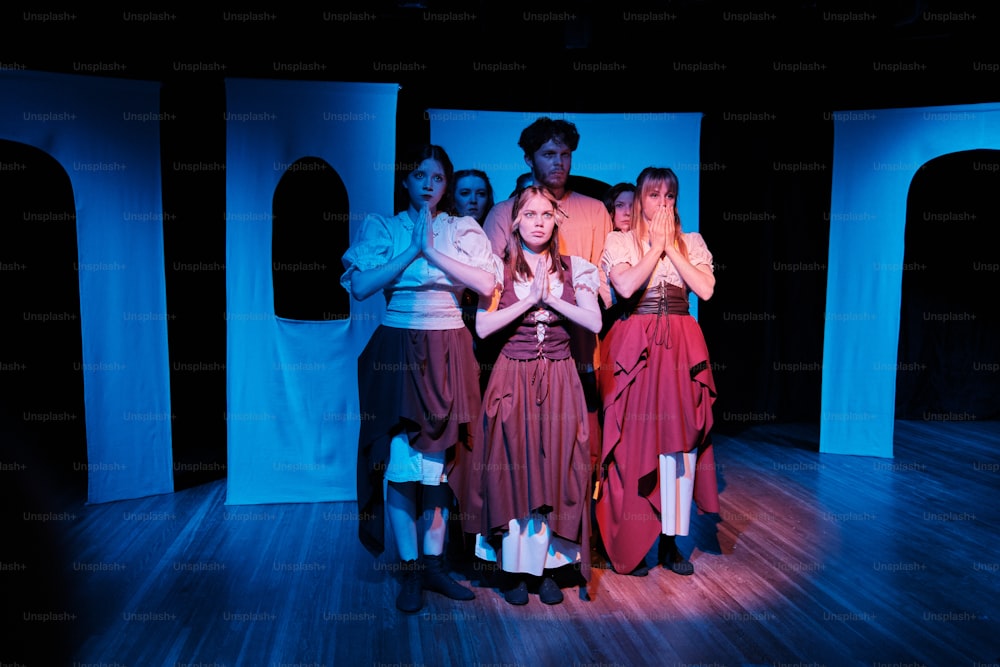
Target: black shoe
<point>518,593</point>
<point>436,579</point>
<point>669,556</point>
<point>411,592</point>
<point>640,570</point>
<point>549,592</point>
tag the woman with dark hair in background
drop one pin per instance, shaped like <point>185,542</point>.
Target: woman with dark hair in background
<point>656,384</point>
<point>472,194</point>
<point>618,200</point>
<point>417,377</point>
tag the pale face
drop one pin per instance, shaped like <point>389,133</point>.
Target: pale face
<point>470,197</point>
<point>659,195</point>
<point>623,211</point>
<point>426,185</point>
<point>550,165</point>
<point>537,222</point>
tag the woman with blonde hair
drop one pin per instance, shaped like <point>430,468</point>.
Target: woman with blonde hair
<point>656,384</point>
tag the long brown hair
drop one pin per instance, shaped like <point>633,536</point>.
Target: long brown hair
<point>649,178</point>
<point>514,257</point>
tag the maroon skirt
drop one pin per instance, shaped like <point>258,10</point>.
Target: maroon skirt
<point>421,382</point>
<point>533,454</point>
<point>657,390</point>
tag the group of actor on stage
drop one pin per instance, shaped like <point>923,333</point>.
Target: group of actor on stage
<point>536,363</point>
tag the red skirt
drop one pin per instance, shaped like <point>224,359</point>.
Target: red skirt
<point>421,382</point>
<point>657,389</point>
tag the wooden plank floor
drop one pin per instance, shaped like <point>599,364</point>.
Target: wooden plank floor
<point>815,559</point>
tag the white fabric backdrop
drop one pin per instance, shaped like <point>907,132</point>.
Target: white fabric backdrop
<point>106,135</point>
<point>292,393</point>
<point>876,154</point>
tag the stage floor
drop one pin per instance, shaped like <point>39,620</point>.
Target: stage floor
<point>814,559</point>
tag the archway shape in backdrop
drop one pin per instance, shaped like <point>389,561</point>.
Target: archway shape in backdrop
<point>949,335</point>
<point>875,156</point>
<point>310,232</point>
<point>106,135</point>
<point>291,386</point>
<point>41,388</point>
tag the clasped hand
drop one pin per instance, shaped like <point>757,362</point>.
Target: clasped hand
<point>423,230</point>
<point>662,228</point>
<point>539,291</point>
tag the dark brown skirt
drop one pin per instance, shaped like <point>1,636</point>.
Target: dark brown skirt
<point>534,453</point>
<point>421,382</point>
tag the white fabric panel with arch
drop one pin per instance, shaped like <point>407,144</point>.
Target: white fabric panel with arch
<point>105,133</point>
<point>292,400</point>
<point>876,154</point>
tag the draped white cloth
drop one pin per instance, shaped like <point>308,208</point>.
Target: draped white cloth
<point>876,154</point>
<point>105,133</point>
<point>292,390</point>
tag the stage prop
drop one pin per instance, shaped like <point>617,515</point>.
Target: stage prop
<point>292,394</point>
<point>876,155</point>
<point>105,133</point>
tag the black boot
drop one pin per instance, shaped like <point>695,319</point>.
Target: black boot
<point>668,555</point>
<point>436,579</point>
<point>411,592</point>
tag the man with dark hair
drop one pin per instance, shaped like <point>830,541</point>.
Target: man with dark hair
<point>584,224</point>
<point>548,147</point>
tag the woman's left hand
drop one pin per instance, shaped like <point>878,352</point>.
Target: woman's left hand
<point>670,225</point>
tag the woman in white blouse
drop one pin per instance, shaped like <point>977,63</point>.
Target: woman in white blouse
<point>656,384</point>
<point>418,380</point>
